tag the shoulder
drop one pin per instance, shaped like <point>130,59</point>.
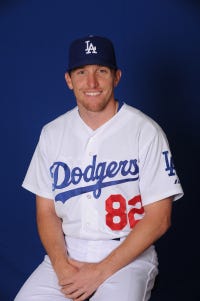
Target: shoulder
<point>147,130</point>
<point>52,133</point>
<point>61,120</point>
<point>60,123</point>
<point>140,119</point>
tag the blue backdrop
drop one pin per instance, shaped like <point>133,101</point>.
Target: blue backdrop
<point>158,49</point>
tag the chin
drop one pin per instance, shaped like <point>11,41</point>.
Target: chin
<point>95,107</point>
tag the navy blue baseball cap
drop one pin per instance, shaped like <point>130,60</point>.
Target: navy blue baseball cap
<point>91,50</point>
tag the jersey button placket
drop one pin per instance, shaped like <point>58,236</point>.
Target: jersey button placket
<point>87,222</point>
<point>90,146</point>
<point>90,152</point>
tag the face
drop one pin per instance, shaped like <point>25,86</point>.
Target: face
<point>93,86</point>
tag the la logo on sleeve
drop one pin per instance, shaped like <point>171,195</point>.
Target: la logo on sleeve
<point>169,164</point>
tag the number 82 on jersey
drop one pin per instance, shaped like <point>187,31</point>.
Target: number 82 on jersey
<point>117,216</point>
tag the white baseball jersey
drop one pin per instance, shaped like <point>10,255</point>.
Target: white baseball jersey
<point>101,179</point>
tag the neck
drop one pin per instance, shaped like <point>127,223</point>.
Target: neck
<point>96,119</point>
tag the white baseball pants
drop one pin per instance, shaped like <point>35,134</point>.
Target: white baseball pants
<point>132,283</point>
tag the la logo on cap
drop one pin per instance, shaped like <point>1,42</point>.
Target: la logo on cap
<point>90,48</point>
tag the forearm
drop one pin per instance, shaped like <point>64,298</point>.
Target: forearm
<point>136,242</point>
<point>50,232</point>
<point>144,234</point>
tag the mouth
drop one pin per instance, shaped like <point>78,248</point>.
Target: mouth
<point>97,93</point>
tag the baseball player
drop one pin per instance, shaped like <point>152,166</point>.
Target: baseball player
<point>104,181</point>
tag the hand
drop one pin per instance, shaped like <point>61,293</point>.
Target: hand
<point>84,282</point>
<point>64,271</point>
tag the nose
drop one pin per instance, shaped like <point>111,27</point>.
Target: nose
<point>92,80</point>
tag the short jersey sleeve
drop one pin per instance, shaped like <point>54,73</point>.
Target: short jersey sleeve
<point>158,177</point>
<point>38,179</point>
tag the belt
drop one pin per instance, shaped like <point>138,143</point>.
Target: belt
<point>118,238</point>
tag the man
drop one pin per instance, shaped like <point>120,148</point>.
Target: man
<point>104,183</point>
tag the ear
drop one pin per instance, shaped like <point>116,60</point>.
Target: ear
<point>68,81</point>
<point>118,75</point>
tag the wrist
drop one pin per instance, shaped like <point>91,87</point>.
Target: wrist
<point>104,270</point>
<point>59,263</point>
